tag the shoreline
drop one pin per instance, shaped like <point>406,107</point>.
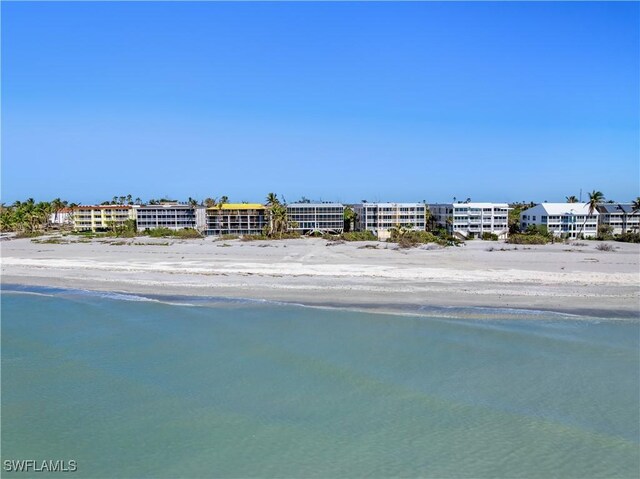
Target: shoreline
<point>372,277</point>
<point>431,310</point>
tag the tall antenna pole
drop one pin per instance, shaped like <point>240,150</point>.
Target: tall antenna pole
<point>580,195</point>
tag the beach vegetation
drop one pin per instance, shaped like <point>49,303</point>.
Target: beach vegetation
<point>228,237</point>
<point>605,232</point>
<point>514,216</point>
<point>534,234</point>
<point>605,247</point>
<point>349,219</point>
<point>49,241</point>
<point>526,238</point>
<point>127,229</point>
<point>279,223</point>
<point>489,236</point>
<point>27,217</point>
<point>405,237</point>
<point>628,237</point>
<point>358,236</point>
<point>185,233</point>
<point>285,235</point>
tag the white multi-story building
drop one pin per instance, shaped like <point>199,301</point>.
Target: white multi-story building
<point>316,217</point>
<point>471,220</point>
<point>62,218</point>
<point>380,218</point>
<point>567,220</point>
<point>620,217</point>
<point>174,216</point>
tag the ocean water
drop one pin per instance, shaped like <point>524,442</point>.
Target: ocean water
<point>134,387</point>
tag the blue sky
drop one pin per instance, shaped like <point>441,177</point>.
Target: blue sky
<point>333,101</point>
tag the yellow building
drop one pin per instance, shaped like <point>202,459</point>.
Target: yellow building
<point>101,217</point>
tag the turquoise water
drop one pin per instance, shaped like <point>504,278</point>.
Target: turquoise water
<point>132,387</point>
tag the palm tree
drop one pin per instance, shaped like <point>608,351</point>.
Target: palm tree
<point>595,197</point>
<point>635,208</point>
<point>428,218</point>
<point>273,203</point>
<point>349,218</point>
<point>272,199</point>
<point>209,202</point>
<point>278,220</point>
<point>223,200</point>
<point>57,204</point>
<point>571,199</point>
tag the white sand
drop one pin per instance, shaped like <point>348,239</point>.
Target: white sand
<point>556,277</point>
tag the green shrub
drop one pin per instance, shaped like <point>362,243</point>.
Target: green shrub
<point>540,230</point>
<point>411,238</point>
<point>489,236</point>
<point>359,236</point>
<point>628,237</point>
<point>605,232</point>
<point>187,233</point>
<point>520,238</point>
<point>287,235</point>
<point>253,237</point>
<point>28,234</point>
<point>158,232</point>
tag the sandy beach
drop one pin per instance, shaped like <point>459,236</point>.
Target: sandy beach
<point>574,278</point>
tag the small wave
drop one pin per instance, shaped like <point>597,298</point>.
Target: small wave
<point>496,312</point>
<point>30,293</point>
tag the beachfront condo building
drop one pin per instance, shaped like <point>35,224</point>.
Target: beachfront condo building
<point>564,220</point>
<point>236,219</point>
<point>380,218</point>
<point>308,218</point>
<point>620,217</point>
<point>101,217</point>
<point>471,220</point>
<point>174,216</point>
<point>62,218</point>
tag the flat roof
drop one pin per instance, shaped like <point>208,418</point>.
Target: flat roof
<point>394,205</point>
<point>239,206</point>
<point>166,205</point>
<point>473,205</point>
<point>103,207</point>
<point>316,205</point>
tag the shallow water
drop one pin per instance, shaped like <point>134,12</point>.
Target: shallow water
<point>130,386</point>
